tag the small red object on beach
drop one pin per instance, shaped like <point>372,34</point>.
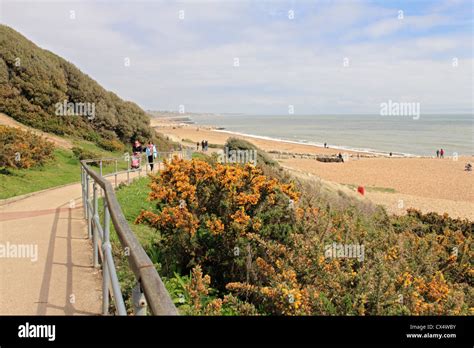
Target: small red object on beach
<point>361,190</point>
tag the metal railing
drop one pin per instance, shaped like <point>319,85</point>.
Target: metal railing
<point>149,291</point>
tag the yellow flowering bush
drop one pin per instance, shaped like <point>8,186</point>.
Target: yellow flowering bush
<point>23,149</point>
<point>253,244</point>
<point>205,213</point>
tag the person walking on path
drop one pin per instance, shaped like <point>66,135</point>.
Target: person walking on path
<point>441,153</point>
<point>197,146</point>
<point>151,154</point>
<point>437,153</point>
<point>137,153</point>
<point>137,147</point>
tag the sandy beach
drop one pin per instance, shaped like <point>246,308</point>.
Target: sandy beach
<point>428,184</point>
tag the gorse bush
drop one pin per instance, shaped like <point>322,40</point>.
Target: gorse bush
<point>251,244</point>
<point>194,296</point>
<point>84,154</point>
<point>241,144</point>
<point>111,145</point>
<point>206,215</point>
<point>400,273</point>
<point>21,149</point>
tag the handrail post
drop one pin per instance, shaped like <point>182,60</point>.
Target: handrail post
<point>139,300</point>
<point>105,268</point>
<point>116,170</point>
<point>86,190</point>
<point>118,298</point>
<point>88,215</point>
<point>96,230</point>
<point>140,165</point>
<point>146,164</point>
<point>149,290</point>
<point>128,170</point>
<point>83,187</point>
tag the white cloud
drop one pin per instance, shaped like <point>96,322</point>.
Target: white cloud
<point>394,24</point>
<point>282,62</point>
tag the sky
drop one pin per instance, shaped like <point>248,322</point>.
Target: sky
<point>263,57</point>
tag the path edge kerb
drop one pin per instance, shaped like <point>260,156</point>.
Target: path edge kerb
<point>6,201</point>
<point>13,199</point>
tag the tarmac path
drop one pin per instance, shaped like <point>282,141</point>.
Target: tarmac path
<point>46,257</point>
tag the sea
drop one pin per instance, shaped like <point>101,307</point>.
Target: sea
<point>401,135</point>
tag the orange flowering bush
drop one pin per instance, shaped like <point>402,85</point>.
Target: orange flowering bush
<point>253,245</point>
<point>21,149</point>
<point>205,214</point>
<point>402,273</point>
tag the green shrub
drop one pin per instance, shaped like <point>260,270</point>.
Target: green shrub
<point>84,154</point>
<point>21,149</point>
<point>111,145</point>
<point>239,144</point>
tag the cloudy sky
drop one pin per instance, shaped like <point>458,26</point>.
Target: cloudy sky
<point>260,57</point>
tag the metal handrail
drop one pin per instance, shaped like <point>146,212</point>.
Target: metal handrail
<point>150,290</point>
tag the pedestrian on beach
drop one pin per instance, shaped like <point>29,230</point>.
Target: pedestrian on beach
<point>151,154</point>
<point>437,153</point>
<point>340,157</point>
<point>325,145</point>
<point>441,153</point>
<point>197,146</point>
<point>202,145</point>
<point>206,144</point>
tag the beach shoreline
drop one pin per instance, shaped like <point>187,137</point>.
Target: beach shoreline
<point>397,182</point>
<point>340,148</point>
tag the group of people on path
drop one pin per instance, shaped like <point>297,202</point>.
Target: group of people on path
<point>204,145</point>
<point>440,153</point>
<point>138,149</point>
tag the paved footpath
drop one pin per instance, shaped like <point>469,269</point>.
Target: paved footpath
<point>59,279</point>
